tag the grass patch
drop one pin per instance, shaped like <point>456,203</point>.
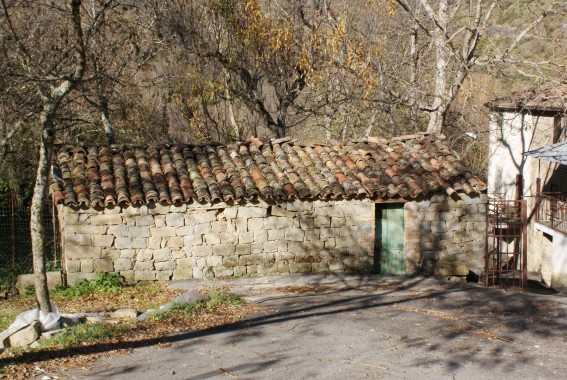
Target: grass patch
<point>216,298</point>
<point>79,346</point>
<point>84,334</point>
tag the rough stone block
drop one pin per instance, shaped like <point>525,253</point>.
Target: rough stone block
<point>144,220</point>
<point>283,223</point>
<point>165,265</point>
<point>162,254</point>
<point>239,271</point>
<point>212,238</point>
<point>437,227</point>
<point>162,231</point>
<point>24,281</point>
<point>329,232</point>
<point>255,224</point>
<point>252,212</point>
<point>131,211</point>
<point>175,242</point>
<point>214,261</point>
<point>203,272</point>
<point>182,274</point>
<point>159,221</point>
<point>140,243</point>
<point>202,250</point>
<point>270,246</point>
<point>23,337</point>
<point>144,275</point>
<point>223,249</point>
<point>278,211</point>
<point>256,248</point>
<point>143,266</point>
<point>123,243</point>
<point>188,262</point>
<point>338,222</point>
<point>296,247</point>
<point>104,265</point>
<point>127,254</point>
<point>84,252</point>
<point>145,255</point>
<point>228,238</point>
<point>230,261</point>
<point>193,240</point>
<point>260,236</point>
<point>103,240</point>
<point>243,249</point>
<point>219,226</point>
<point>106,219</point>
<point>322,221</point>
<point>203,229</point>
<point>122,264</point>
<point>306,222</point>
<point>268,268</point>
<point>223,272</point>
<point>174,220</point>
<point>282,245</point>
<point>300,267</point>
<point>87,265</point>
<point>70,266</point>
<point>276,234</point>
<point>185,230</point>
<point>230,212</point>
<point>240,225</point>
<point>294,234</point>
<point>72,278</point>
<point>77,239</point>
<point>200,218</point>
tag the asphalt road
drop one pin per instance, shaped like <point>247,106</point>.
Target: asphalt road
<point>359,327</point>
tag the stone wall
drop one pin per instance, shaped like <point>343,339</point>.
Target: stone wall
<point>157,242</point>
<point>444,236</point>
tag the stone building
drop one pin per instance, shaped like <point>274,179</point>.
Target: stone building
<point>521,124</point>
<point>174,212</point>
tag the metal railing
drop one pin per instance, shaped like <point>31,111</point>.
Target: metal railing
<point>552,211</point>
<point>506,244</point>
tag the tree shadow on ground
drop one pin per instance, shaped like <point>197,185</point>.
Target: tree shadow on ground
<point>462,323</point>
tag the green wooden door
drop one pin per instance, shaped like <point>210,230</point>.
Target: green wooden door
<point>389,239</point>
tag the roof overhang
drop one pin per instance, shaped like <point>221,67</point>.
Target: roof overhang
<point>554,153</point>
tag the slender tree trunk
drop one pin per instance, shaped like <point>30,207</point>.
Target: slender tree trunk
<point>437,116</point>
<point>50,107</point>
<point>105,118</point>
<point>36,225</point>
<point>413,78</point>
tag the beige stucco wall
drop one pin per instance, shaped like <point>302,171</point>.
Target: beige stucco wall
<point>511,134</point>
<point>149,243</point>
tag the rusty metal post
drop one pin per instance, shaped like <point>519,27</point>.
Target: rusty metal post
<point>524,246</point>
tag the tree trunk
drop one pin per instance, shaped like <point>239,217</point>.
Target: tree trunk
<point>50,107</point>
<point>413,78</point>
<point>36,221</point>
<point>437,115</point>
<point>105,118</point>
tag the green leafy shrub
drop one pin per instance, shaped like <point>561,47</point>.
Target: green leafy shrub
<point>102,282</point>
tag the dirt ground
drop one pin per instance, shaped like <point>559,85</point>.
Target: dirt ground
<point>359,327</point>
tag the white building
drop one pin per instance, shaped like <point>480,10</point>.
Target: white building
<point>522,127</point>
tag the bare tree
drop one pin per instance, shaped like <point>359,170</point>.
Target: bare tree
<point>454,30</point>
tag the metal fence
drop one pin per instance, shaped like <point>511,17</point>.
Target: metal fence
<point>15,241</point>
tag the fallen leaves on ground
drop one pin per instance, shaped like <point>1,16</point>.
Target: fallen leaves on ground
<point>152,332</point>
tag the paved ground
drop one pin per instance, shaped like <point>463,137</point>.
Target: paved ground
<point>359,327</point>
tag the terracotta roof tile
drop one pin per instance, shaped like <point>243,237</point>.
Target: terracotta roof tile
<point>547,97</point>
<point>399,168</point>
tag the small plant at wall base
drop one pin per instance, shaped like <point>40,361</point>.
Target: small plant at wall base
<point>102,283</point>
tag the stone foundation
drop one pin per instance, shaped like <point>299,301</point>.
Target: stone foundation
<point>161,243</point>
